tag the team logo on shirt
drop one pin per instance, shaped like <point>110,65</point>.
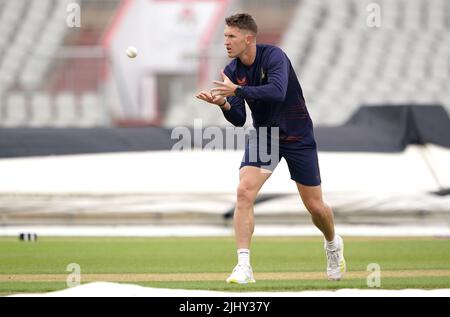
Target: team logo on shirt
<point>241,82</point>
<point>263,75</point>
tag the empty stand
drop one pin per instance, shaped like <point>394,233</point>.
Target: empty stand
<point>343,63</point>
<point>33,38</point>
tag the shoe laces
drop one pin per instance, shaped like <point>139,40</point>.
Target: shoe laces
<point>333,258</point>
<point>242,267</point>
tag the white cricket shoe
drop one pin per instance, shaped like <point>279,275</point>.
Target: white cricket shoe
<point>242,274</point>
<point>336,266</point>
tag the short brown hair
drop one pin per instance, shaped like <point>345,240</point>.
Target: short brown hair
<point>242,21</point>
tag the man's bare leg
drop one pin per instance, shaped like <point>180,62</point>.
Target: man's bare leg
<point>251,180</point>
<point>321,213</point>
<point>322,217</point>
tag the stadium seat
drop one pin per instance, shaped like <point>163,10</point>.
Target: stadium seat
<point>93,112</point>
<point>67,114</point>
<point>16,113</point>
<point>41,110</point>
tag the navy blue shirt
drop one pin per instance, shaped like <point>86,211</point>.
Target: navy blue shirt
<point>273,93</point>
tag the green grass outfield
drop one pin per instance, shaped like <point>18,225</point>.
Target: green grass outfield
<point>280,264</point>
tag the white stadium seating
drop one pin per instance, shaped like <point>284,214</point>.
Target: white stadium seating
<point>342,62</point>
<point>31,33</point>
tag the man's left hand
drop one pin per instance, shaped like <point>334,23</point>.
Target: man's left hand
<point>224,88</point>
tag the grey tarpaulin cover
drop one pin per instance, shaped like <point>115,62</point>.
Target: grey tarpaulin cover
<point>371,129</point>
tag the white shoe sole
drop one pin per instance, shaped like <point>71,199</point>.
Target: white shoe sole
<point>235,281</point>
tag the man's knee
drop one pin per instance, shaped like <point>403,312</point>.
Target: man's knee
<point>315,207</point>
<point>245,194</point>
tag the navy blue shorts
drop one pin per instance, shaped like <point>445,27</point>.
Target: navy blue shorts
<point>301,157</point>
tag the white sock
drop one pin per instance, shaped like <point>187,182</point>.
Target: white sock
<point>334,244</point>
<point>243,256</point>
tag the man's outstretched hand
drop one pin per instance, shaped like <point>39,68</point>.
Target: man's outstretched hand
<point>209,97</point>
<point>224,88</point>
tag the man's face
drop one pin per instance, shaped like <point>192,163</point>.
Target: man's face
<point>236,41</point>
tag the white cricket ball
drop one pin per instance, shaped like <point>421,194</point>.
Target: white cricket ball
<point>131,52</point>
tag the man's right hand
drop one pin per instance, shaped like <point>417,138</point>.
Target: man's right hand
<point>208,97</point>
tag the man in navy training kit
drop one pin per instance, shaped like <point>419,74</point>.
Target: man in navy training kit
<point>262,75</point>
